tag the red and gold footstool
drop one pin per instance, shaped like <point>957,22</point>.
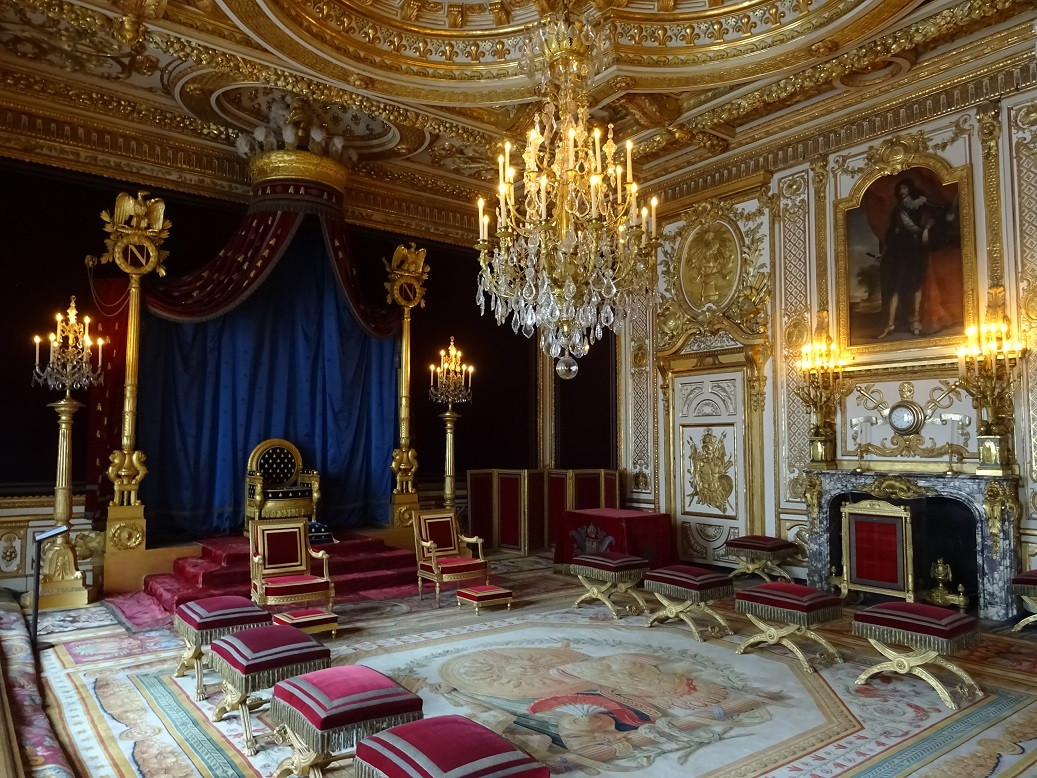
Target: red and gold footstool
<point>482,596</point>
<point>608,573</point>
<point>1025,586</point>
<point>796,607</point>
<point>203,621</point>
<point>311,620</point>
<point>324,714</point>
<point>695,587</point>
<point>256,659</point>
<point>443,746</point>
<point>760,554</point>
<point>929,630</point>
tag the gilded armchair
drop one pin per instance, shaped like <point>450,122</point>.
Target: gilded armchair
<point>437,545</point>
<point>279,558</point>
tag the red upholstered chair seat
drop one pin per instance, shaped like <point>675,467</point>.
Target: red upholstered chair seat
<point>455,564</point>
<point>345,695</point>
<point>610,562</point>
<point>918,618</point>
<point>218,613</point>
<point>260,649</point>
<point>287,585</point>
<point>695,579</point>
<point>1025,583</point>
<point>762,544</point>
<point>444,746</point>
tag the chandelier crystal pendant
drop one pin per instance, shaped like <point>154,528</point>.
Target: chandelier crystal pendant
<point>572,254</point>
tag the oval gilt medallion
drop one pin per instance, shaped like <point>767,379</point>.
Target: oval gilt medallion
<point>709,268</point>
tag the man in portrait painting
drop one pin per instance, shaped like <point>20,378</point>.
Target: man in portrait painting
<point>905,262</point>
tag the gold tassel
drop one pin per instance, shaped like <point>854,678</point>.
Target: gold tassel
<point>338,739</point>
<point>711,594</point>
<point>788,616</point>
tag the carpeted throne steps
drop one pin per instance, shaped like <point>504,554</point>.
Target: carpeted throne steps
<point>357,564</point>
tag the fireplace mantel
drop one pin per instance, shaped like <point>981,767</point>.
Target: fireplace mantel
<point>993,500</point>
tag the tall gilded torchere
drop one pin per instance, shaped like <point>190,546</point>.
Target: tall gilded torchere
<point>136,231</point>
<point>68,367</point>
<point>821,365</point>
<point>450,382</point>
<point>987,361</point>
<point>407,275</point>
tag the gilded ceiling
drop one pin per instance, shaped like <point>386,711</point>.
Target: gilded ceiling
<point>420,94</point>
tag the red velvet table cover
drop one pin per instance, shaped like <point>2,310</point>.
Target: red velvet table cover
<point>640,533</point>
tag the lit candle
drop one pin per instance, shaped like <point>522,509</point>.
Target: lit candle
<point>630,164</point>
<point>633,203</point>
<point>619,185</point>
<point>543,198</point>
<point>86,328</point>
<point>100,345</point>
<point>644,232</point>
<point>485,227</point>
<point>594,197</point>
<point>482,204</point>
<point>431,374</point>
<point>471,369</point>
<point>500,168</point>
<point>36,340</point>
<point>655,202</point>
<point>53,337</point>
<point>502,188</point>
<point>597,150</point>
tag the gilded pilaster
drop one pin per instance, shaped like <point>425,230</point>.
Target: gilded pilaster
<point>819,179</point>
<point>989,123</point>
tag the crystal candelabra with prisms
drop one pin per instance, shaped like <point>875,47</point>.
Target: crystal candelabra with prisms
<point>450,382</point>
<point>68,367</point>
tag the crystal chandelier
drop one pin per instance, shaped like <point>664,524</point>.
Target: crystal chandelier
<point>572,255</point>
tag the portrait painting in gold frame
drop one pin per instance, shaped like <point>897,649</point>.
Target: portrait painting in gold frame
<point>905,257</point>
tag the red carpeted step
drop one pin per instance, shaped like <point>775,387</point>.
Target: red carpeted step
<point>171,592</point>
<point>383,559</point>
<point>354,583</point>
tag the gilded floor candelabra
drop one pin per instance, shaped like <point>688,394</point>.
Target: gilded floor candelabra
<point>68,367</point>
<point>821,366</point>
<point>987,361</point>
<point>450,383</point>
<point>407,276</point>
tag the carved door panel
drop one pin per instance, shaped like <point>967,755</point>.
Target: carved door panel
<point>710,476</point>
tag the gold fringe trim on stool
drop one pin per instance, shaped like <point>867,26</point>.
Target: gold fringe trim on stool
<point>254,682</point>
<point>364,770</point>
<point>756,555</point>
<point>681,593</point>
<point>789,616</point>
<point>337,739</point>
<point>189,633</point>
<point>918,640</point>
<point>634,574</point>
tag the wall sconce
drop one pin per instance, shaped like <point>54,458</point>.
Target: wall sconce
<point>821,366</point>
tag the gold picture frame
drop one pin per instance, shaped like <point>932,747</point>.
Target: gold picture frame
<point>905,255</point>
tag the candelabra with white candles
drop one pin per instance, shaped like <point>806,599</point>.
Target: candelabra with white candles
<point>450,383</point>
<point>821,365</point>
<point>987,361</point>
<point>69,366</point>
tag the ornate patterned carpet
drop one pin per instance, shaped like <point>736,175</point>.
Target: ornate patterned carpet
<point>583,693</point>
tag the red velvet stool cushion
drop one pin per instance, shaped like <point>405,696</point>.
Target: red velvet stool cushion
<point>1025,583</point>
<point>689,577</point>
<point>789,602</point>
<point>484,594</point>
<point>306,618</point>
<point>762,545</point>
<point>456,564</point>
<point>340,696</point>
<point>610,562</point>
<point>222,612</point>
<point>915,617</point>
<point>264,648</point>
<point>444,746</point>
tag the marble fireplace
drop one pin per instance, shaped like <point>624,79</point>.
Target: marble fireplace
<point>970,520</point>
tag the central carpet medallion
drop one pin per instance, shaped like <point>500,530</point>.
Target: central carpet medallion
<point>585,698</point>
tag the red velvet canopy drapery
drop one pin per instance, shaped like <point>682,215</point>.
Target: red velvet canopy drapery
<point>276,209</point>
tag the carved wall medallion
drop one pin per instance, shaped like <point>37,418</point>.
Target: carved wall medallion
<point>890,487</point>
<point>10,552</point>
<point>709,265</point>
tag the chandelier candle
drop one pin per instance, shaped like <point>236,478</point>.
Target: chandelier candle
<point>570,256</point>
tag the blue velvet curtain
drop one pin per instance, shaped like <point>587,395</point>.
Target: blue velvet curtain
<point>289,362</point>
